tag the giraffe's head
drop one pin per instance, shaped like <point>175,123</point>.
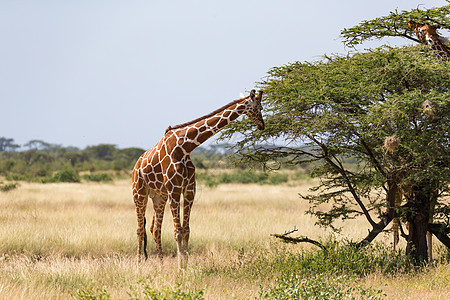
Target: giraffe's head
<point>254,108</point>
<point>426,33</point>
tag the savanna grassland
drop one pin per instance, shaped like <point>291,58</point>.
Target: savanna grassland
<point>77,240</point>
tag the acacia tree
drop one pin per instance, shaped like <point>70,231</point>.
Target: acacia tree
<point>346,107</point>
<point>422,192</point>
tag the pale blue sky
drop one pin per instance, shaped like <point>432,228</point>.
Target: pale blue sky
<point>87,72</point>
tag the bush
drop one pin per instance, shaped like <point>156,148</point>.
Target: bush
<point>92,293</point>
<point>100,177</point>
<point>67,175</point>
<point>319,287</point>
<point>144,291</point>
<point>243,177</point>
<point>277,178</point>
<point>8,187</point>
<point>141,291</point>
<point>339,259</point>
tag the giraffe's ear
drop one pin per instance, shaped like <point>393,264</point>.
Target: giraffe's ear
<point>241,96</point>
<point>252,94</point>
<point>443,39</point>
<point>259,97</point>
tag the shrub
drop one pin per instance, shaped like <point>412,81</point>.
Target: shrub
<point>92,293</point>
<point>18,177</point>
<point>8,187</point>
<point>100,177</point>
<point>319,287</point>
<point>339,259</point>
<point>144,291</point>
<point>277,178</point>
<point>141,291</point>
<point>67,175</point>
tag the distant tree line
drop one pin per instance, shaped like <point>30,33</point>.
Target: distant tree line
<point>38,160</point>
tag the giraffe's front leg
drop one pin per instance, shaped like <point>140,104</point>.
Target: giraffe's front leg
<point>188,199</point>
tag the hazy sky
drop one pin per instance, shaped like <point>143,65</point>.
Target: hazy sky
<point>85,72</point>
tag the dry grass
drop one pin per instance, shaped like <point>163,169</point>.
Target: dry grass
<point>57,238</point>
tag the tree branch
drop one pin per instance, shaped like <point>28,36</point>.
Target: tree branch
<point>372,157</point>
<point>377,229</point>
<point>440,231</point>
<point>293,240</point>
<point>343,173</point>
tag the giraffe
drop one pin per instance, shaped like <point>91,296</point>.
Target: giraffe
<point>165,172</point>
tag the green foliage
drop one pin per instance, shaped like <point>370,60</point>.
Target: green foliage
<point>92,293</point>
<point>317,287</point>
<point>345,107</point>
<point>7,144</point>
<point>243,177</point>
<point>99,177</point>
<point>339,259</point>
<point>44,159</point>
<point>144,291</point>
<point>8,187</point>
<point>141,291</point>
<point>396,24</point>
<point>102,151</point>
<point>67,175</point>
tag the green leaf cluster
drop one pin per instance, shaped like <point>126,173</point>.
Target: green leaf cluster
<point>395,24</point>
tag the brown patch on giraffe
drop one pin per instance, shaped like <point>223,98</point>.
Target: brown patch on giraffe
<point>189,147</point>
<point>206,135</point>
<point>156,166</point>
<point>177,153</point>
<point>227,113</point>
<point>165,162</point>
<point>211,122</point>
<point>223,123</point>
<point>151,177</point>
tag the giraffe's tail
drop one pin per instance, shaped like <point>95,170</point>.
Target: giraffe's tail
<point>145,239</point>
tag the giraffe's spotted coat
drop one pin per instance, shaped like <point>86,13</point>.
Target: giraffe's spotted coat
<point>166,172</point>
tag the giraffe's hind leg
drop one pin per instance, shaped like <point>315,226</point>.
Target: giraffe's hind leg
<point>159,203</point>
<point>140,197</point>
<point>141,205</point>
<point>145,240</point>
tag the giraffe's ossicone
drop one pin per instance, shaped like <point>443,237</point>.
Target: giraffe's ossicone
<point>166,172</point>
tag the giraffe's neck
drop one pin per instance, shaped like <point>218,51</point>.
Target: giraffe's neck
<point>192,136</point>
<point>439,48</point>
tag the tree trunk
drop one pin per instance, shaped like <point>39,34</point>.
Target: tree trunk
<point>417,239</point>
<point>418,216</point>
